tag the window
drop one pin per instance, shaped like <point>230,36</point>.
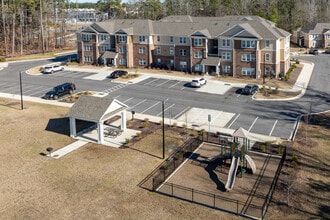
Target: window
<point>267,43</point>
<point>182,40</point>
<point>122,61</point>
<point>104,48</point>
<point>267,57</point>
<point>198,41</point>
<point>328,36</point>
<point>171,50</point>
<point>158,38</point>
<point>171,39</point>
<point>183,52</point>
<point>329,44</point>
<point>88,47</point>
<point>103,37</point>
<point>142,38</point>
<point>88,59</point>
<point>172,62</point>
<point>198,67</point>
<point>142,62</point>
<point>159,60</point>
<point>225,56</point>
<point>248,71</point>
<point>142,50</point>
<point>183,64</point>
<point>198,54</point>
<point>158,50</point>
<point>248,57</point>
<point>226,69</point>
<point>314,44</point>
<point>225,42</point>
<point>87,37</point>
<point>122,38</point>
<point>248,44</point>
<point>122,50</point>
<point>267,71</point>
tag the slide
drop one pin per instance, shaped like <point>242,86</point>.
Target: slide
<point>232,173</point>
<point>251,163</point>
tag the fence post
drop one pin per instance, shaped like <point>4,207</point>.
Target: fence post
<point>192,195</point>
<point>237,206</point>
<point>172,189</point>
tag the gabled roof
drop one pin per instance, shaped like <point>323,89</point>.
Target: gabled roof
<point>95,109</point>
<point>201,33</point>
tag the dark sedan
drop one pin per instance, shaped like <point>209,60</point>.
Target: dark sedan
<point>250,89</point>
<point>118,73</point>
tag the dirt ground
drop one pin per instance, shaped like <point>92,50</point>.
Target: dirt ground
<point>249,190</point>
<point>100,182</point>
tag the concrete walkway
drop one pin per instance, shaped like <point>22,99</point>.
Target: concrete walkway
<point>69,148</point>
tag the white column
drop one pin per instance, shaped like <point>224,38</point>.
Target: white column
<point>217,70</point>
<point>100,133</point>
<point>73,132</point>
<point>123,120</point>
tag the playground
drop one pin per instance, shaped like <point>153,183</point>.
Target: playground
<point>224,178</point>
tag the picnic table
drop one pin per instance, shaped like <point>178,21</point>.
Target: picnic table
<point>112,131</point>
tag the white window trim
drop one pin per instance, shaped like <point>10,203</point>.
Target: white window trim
<point>142,38</point>
<point>225,57</point>
<point>267,57</point>
<point>198,54</point>
<point>183,52</point>
<point>182,40</point>
<point>225,42</point>
<point>158,50</point>
<point>171,50</point>
<point>198,42</point>
<point>142,50</point>
<point>248,44</point>
<point>142,62</point>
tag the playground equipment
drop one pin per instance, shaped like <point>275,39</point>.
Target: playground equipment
<point>241,150</point>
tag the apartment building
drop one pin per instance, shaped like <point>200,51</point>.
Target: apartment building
<point>314,36</point>
<point>232,45</point>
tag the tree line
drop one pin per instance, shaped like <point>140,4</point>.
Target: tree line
<point>33,26</point>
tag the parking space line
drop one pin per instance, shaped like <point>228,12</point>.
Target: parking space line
<point>239,95</point>
<point>162,83</point>
<point>116,97</point>
<point>180,113</point>
<point>234,120</point>
<point>39,91</point>
<point>128,99</point>
<point>165,110</point>
<point>151,81</point>
<point>31,88</point>
<point>174,84</point>
<point>137,104</point>
<point>253,124</point>
<point>150,107</point>
<point>270,134</point>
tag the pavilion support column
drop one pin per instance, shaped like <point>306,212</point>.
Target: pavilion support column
<point>123,120</point>
<point>100,139</point>
<point>73,131</point>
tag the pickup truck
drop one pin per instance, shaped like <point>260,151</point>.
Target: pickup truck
<point>52,68</point>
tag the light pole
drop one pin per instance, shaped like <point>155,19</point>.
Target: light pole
<point>163,116</point>
<point>21,90</point>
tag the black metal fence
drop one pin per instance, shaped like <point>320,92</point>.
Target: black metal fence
<point>272,186</point>
<point>165,169</point>
<point>208,199</point>
<point>156,182</point>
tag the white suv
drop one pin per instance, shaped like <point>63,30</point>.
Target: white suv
<point>52,68</point>
<point>198,82</point>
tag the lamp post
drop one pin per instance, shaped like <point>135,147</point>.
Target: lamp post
<point>163,116</point>
<point>21,90</point>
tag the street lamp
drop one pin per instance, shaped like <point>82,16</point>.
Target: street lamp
<point>21,90</point>
<point>163,117</point>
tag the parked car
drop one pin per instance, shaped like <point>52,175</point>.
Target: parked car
<point>118,73</point>
<point>52,68</point>
<point>60,90</point>
<point>314,51</point>
<point>327,51</point>
<point>198,82</point>
<point>250,89</point>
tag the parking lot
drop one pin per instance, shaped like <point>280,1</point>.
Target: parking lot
<point>185,114</point>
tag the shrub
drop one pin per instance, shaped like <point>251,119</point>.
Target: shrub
<point>263,148</point>
<point>279,150</point>
<point>161,122</point>
<point>127,140</point>
<point>128,122</point>
<point>138,134</point>
<point>184,125</point>
<point>294,158</point>
<point>174,124</point>
<point>275,91</point>
<point>2,59</point>
<point>294,163</point>
<point>146,119</point>
<point>145,124</point>
<point>41,69</point>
